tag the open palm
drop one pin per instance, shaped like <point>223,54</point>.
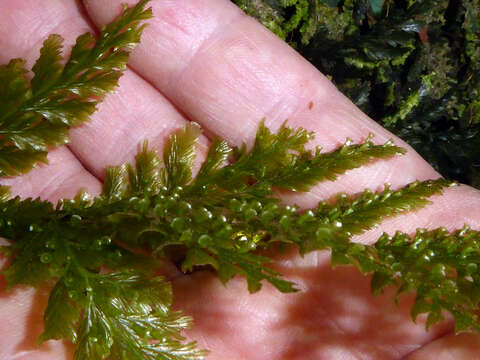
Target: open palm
<point>203,60</point>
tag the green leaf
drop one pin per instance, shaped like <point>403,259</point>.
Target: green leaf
<point>41,137</point>
<point>178,156</point>
<point>217,157</point>
<point>115,183</point>
<point>309,169</point>
<point>129,316</point>
<point>14,90</point>
<point>15,162</point>
<point>252,267</point>
<point>380,281</point>
<point>61,315</point>
<point>196,257</point>
<point>48,67</point>
<point>361,212</point>
<point>145,177</point>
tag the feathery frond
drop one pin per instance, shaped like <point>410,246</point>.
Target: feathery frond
<point>219,219</point>
<point>36,115</point>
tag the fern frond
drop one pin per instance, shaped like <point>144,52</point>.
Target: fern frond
<point>281,160</point>
<point>155,211</point>
<point>309,169</point>
<point>179,155</point>
<point>127,316</point>
<point>358,213</point>
<point>442,268</point>
<point>36,115</point>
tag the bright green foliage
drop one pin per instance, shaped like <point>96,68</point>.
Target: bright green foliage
<point>361,212</point>
<point>414,66</point>
<point>443,269</point>
<point>301,17</point>
<point>179,156</point>
<point>219,219</point>
<point>36,115</point>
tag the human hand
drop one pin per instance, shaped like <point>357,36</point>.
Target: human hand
<point>204,60</point>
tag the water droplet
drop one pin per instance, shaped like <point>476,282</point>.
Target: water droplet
<point>97,244</point>
<point>75,219</point>
<point>257,205</point>
<point>221,220</point>
<point>69,280</point>
<point>235,205</point>
<point>202,215</point>
<point>249,214</point>
<point>242,239</point>
<point>34,228</point>
<point>160,210</point>
<point>226,232</point>
<point>106,240</point>
<point>306,217</point>
<point>291,209</point>
<point>178,224</point>
<point>184,207</point>
<point>205,240</point>
<point>471,268</point>
<point>170,202</point>
<point>46,258</point>
<point>439,270</point>
<point>84,196</point>
<point>140,205</point>
<point>285,222</point>
<point>267,216</point>
<point>50,244</point>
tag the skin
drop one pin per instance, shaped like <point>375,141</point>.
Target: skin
<point>203,60</point>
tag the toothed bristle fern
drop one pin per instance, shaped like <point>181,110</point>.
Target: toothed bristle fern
<point>101,255</point>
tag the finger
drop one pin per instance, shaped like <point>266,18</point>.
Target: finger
<point>136,111</point>
<point>464,346</point>
<point>63,177</point>
<point>21,312</point>
<point>227,72</point>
